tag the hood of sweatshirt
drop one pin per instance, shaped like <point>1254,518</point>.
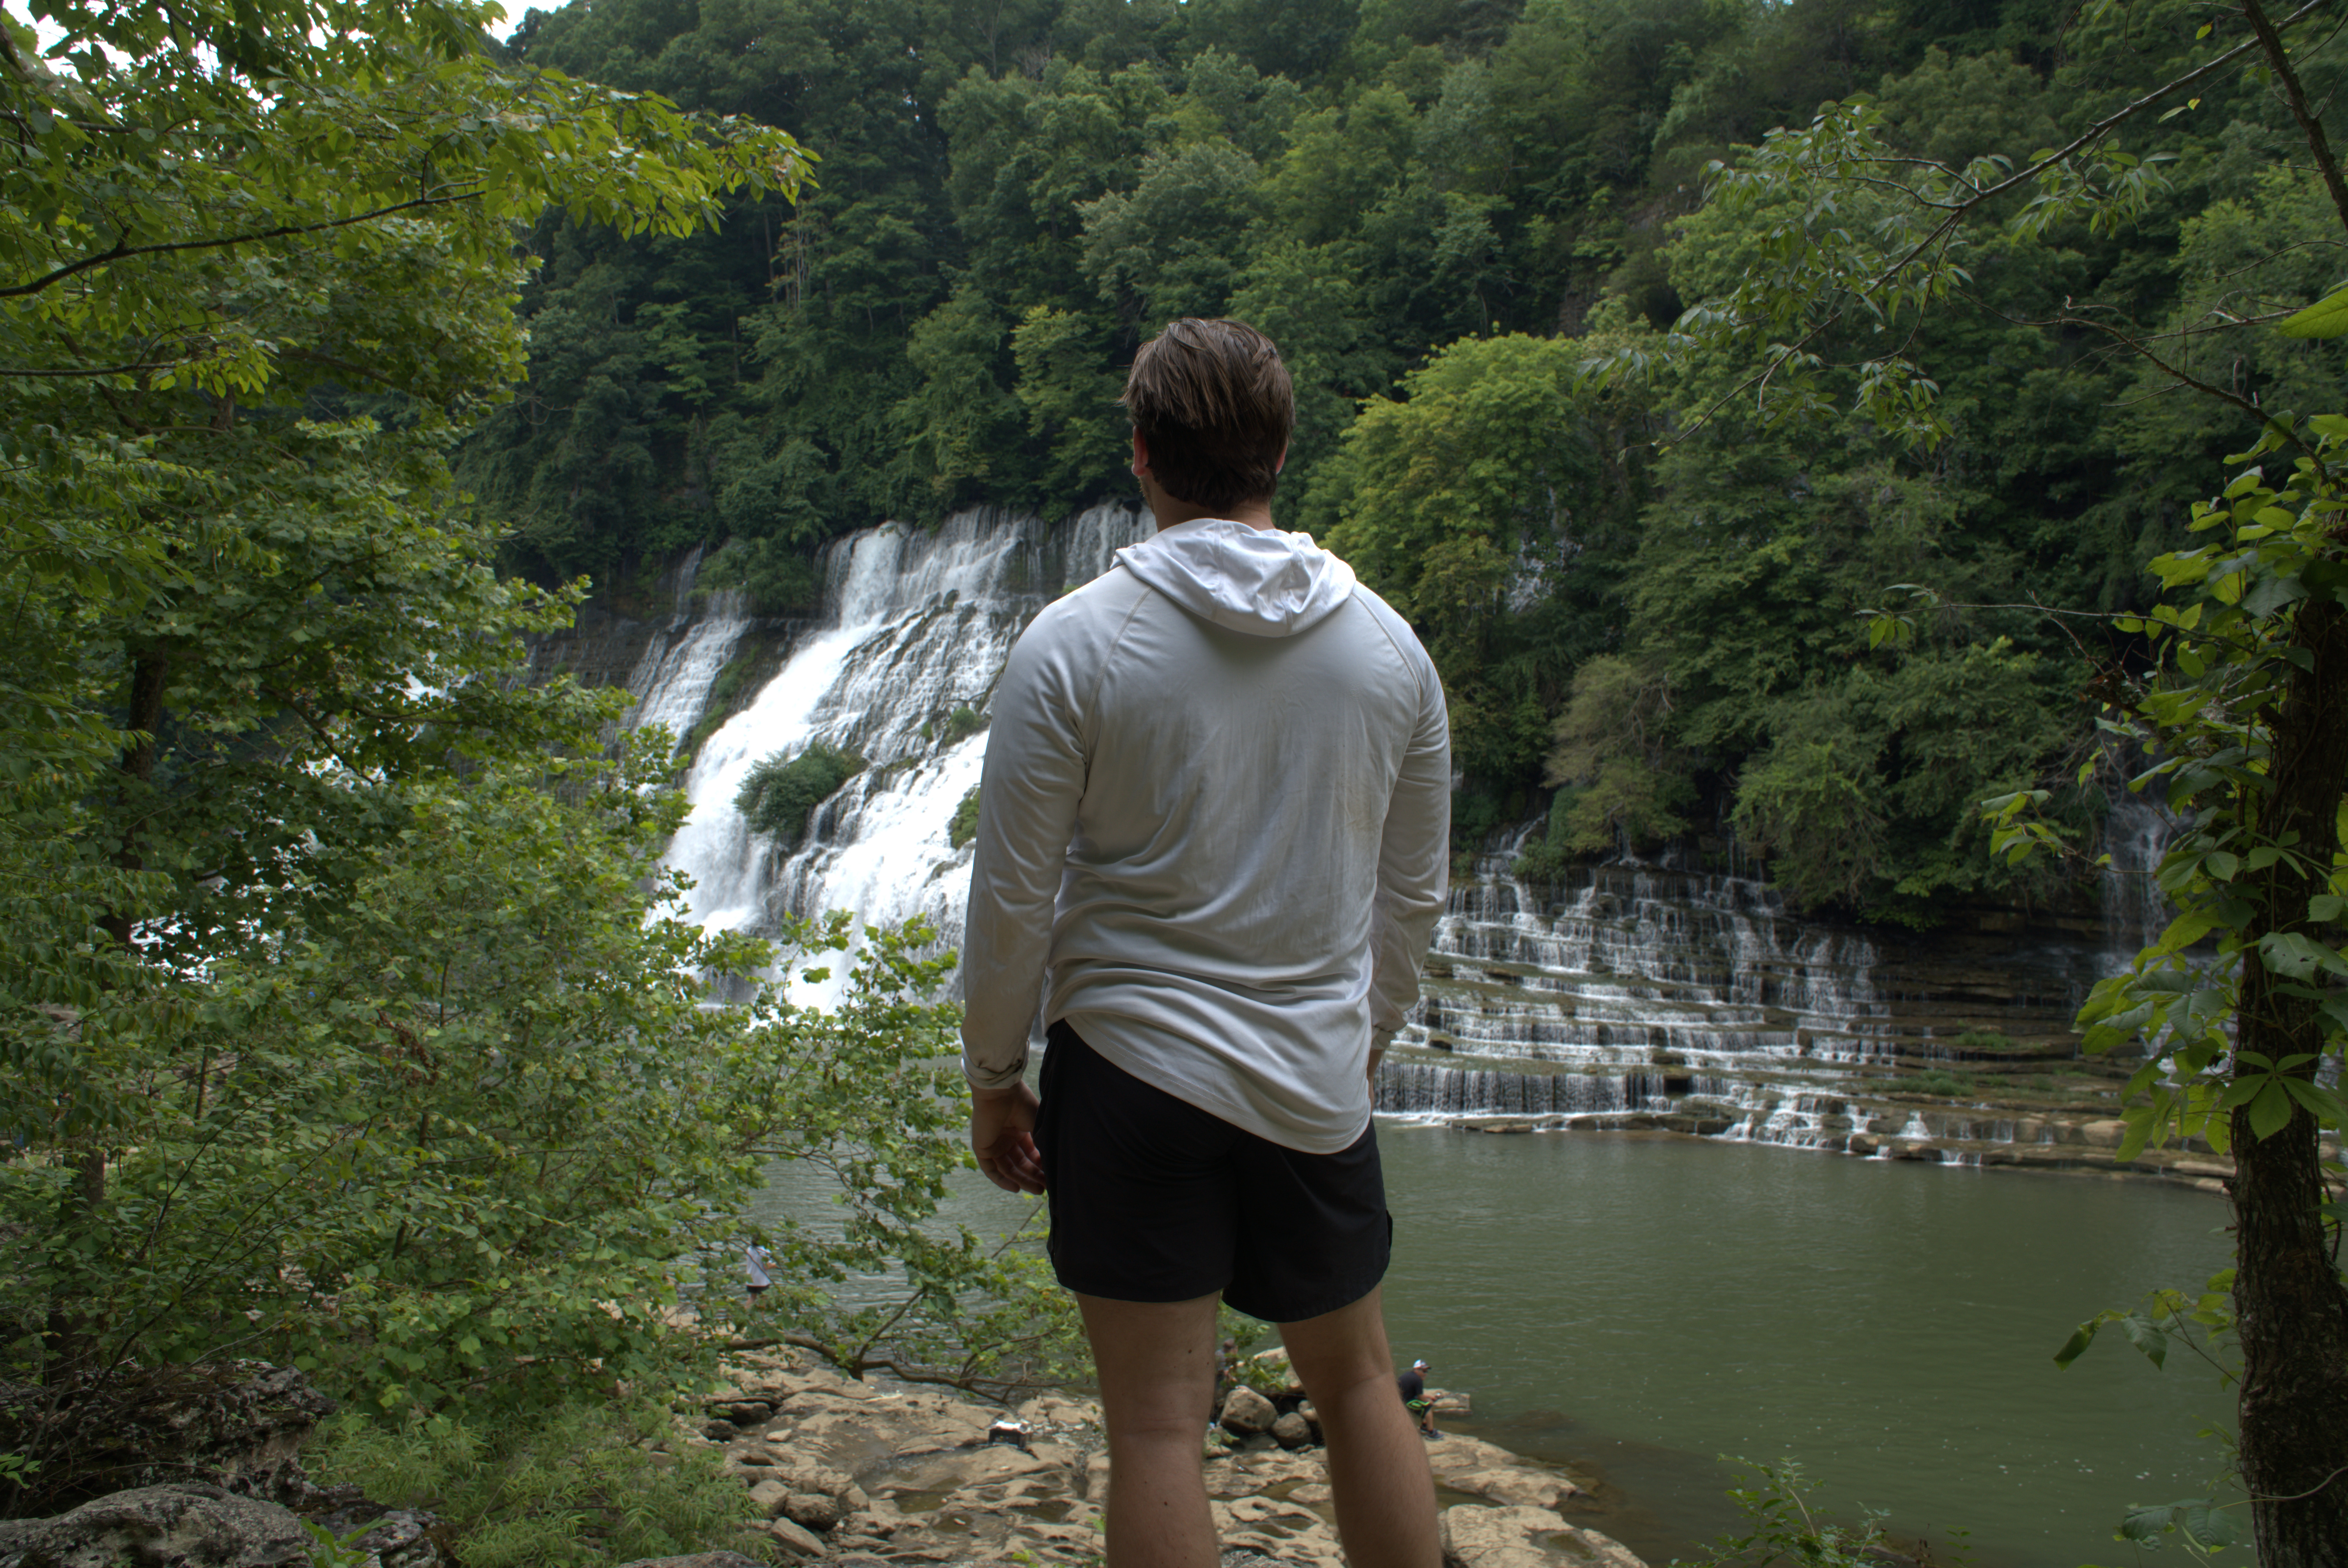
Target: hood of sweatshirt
<point>1260,581</point>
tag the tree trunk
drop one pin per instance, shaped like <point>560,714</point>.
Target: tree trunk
<point>2292,1310</point>
<point>70,1334</point>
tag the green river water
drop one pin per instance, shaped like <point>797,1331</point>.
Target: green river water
<point>1637,1306</point>
<point>1641,1305</point>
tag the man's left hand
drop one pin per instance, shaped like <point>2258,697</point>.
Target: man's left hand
<point>1002,1133</point>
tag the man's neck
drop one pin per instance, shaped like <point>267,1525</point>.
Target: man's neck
<point>1171,513</point>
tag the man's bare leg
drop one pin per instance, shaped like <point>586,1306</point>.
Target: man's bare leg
<point>1377,1461</point>
<point>1157,1366</point>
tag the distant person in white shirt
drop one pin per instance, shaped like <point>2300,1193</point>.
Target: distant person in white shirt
<point>1213,833</point>
<point>756,1261</point>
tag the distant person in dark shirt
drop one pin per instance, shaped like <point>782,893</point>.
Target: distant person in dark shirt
<point>1413,1385</point>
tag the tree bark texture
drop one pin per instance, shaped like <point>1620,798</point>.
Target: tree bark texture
<point>2292,1310</point>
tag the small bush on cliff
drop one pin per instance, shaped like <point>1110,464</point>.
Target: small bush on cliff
<point>782,792</point>
<point>963,828</point>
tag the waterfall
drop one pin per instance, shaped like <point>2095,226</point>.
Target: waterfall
<point>915,627</point>
<point>2136,831</point>
<point>1634,961</point>
<point>1623,994</point>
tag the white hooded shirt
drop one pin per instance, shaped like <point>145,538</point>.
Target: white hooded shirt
<point>1213,831</point>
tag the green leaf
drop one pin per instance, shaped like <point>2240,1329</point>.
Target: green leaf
<point>2147,1337</point>
<point>2209,1526</point>
<point>2271,1110</point>
<point>2327,318</point>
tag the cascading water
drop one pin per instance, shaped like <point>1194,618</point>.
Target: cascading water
<point>916,626</point>
<point>1625,995</point>
<point>2135,835</point>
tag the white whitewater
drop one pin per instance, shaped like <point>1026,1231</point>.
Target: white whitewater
<point>916,626</point>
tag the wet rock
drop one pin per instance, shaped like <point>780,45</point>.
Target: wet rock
<point>1292,1430</point>
<point>1247,1412</point>
<point>190,1522</point>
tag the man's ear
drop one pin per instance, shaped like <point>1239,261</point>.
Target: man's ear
<point>1276,467</point>
<point>1141,453</point>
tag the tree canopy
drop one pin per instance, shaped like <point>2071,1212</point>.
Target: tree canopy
<point>346,1015</point>
<point>1442,211</point>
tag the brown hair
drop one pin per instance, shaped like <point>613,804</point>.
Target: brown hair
<point>1215,404</point>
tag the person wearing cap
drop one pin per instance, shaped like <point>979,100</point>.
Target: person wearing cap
<point>1213,836</point>
<point>1413,1385</point>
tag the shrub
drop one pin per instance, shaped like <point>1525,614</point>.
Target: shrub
<point>783,791</point>
<point>780,580</point>
<point>583,1483</point>
<point>963,828</point>
<point>1949,1085</point>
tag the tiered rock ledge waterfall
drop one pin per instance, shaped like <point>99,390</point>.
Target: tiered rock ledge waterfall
<point>1628,995</point>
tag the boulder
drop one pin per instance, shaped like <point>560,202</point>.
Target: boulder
<point>1247,1412</point>
<point>1521,1537</point>
<point>718,1431</point>
<point>236,1424</point>
<point>797,1541</point>
<point>769,1497</point>
<point>1292,1430</point>
<point>1515,1485</point>
<point>811,1510</point>
<point>191,1523</point>
<point>392,1537</point>
<point>801,1473</point>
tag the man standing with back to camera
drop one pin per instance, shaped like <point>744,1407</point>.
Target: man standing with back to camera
<point>1215,816</point>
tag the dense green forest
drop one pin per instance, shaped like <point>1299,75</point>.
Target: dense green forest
<point>1442,210</point>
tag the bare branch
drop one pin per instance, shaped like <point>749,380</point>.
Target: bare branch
<point>2278,57</point>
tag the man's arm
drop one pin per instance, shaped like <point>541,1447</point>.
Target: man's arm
<point>1028,795</point>
<point>1414,867</point>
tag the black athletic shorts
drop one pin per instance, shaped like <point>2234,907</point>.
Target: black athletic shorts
<point>1156,1200</point>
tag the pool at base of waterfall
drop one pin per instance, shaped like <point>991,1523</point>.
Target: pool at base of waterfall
<point>1640,1305</point>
